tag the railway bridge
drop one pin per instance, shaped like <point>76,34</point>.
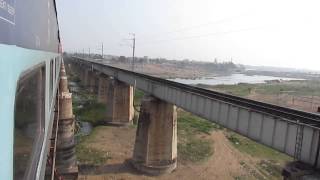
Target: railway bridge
<point>293,132</point>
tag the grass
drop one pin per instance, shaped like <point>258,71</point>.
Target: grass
<point>241,89</point>
<point>271,161</point>
<point>88,155</point>
<point>254,149</point>
<point>300,88</point>
<point>195,150</point>
<point>190,146</point>
<point>193,124</point>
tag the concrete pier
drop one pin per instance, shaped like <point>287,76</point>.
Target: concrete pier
<point>155,150</point>
<point>86,77</point>
<point>103,84</point>
<point>92,81</point>
<point>81,74</point>
<point>120,103</point>
<point>66,162</point>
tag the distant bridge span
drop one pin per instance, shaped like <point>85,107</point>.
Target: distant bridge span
<point>290,131</point>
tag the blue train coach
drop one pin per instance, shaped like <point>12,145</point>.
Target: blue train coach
<point>30,58</point>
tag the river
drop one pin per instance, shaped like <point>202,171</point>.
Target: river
<point>232,79</point>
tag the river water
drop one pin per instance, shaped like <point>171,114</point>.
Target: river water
<point>232,79</point>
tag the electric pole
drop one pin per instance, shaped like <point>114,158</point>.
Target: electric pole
<point>133,48</point>
<point>89,52</point>
<point>101,50</point>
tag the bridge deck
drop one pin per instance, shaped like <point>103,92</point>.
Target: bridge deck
<point>291,131</point>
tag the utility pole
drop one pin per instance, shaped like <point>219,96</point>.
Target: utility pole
<point>89,52</point>
<point>101,50</point>
<point>83,52</point>
<point>133,48</point>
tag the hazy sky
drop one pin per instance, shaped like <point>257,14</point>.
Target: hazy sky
<point>283,33</point>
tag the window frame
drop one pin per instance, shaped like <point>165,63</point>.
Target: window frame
<point>37,144</point>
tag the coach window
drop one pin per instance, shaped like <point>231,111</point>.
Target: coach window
<point>29,122</point>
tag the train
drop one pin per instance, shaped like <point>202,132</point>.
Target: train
<point>30,60</point>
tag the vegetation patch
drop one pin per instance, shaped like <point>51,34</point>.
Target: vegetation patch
<point>73,77</point>
<point>94,113</point>
<point>302,88</point>
<point>297,88</point>
<point>87,109</point>
<point>241,89</point>
<point>271,162</point>
<point>255,149</point>
<point>193,124</point>
<point>195,150</point>
<point>190,146</point>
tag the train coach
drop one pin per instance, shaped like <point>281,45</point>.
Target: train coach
<point>30,59</point>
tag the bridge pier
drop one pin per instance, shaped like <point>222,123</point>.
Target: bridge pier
<point>89,81</point>
<point>103,85</point>
<point>86,77</point>
<point>155,150</point>
<point>66,162</point>
<point>93,82</point>
<point>81,74</point>
<point>119,103</point>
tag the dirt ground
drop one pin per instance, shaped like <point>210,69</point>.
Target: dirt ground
<point>225,163</point>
